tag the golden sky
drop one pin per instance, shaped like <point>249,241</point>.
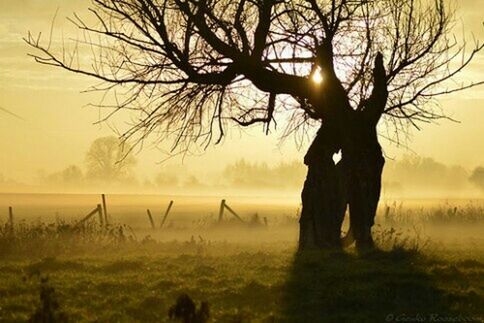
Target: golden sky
<point>54,128</point>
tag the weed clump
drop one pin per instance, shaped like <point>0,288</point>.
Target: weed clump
<point>185,310</point>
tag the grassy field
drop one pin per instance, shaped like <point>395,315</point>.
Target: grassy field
<point>429,271</point>
<point>245,285</point>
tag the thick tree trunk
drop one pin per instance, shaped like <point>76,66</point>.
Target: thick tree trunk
<point>364,163</point>
<point>323,196</point>
<point>364,195</point>
<point>355,181</point>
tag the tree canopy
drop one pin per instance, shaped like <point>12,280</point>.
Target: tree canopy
<point>189,68</point>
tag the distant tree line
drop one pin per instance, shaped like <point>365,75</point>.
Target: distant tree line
<point>284,175</point>
<point>108,164</point>
<point>108,161</point>
<point>403,175</point>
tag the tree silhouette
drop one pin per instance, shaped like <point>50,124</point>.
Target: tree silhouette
<point>192,68</point>
<point>108,159</point>
<point>477,177</point>
<point>70,176</point>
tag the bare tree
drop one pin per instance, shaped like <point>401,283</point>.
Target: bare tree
<point>192,68</point>
<point>108,159</point>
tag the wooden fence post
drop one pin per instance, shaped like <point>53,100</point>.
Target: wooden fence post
<point>10,217</point>
<point>105,209</point>
<point>100,213</point>
<point>233,212</point>
<point>150,218</point>
<point>87,217</point>
<point>166,214</point>
<point>221,211</point>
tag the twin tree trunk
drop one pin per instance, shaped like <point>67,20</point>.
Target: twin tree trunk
<point>355,181</point>
<point>330,188</point>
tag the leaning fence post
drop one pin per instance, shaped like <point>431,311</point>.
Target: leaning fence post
<point>233,212</point>
<point>150,218</point>
<point>105,209</point>
<point>221,211</point>
<point>87,217</point>
<point>166,214</point>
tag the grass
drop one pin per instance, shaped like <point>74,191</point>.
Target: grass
<point>440,214</point>
<point>57,272</point>
<point>244,284</point>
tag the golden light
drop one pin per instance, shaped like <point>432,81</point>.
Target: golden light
<point>317,77</point>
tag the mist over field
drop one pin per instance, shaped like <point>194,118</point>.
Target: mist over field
<point>407,177</point>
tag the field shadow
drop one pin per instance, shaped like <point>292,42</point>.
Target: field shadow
<point>342,287</point>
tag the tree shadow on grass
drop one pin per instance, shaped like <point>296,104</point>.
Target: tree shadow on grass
<point>381,287</point>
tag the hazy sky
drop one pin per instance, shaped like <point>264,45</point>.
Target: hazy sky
<point>54,129</point>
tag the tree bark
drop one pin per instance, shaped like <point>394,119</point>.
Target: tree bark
<point>364,195</point>
<point>330,188</point>
<point>363,162</point>
<point>324,194</point>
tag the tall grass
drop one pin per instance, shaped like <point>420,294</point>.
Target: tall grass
<point>442,214</point>
<point>59,237</point>
<point>396,228</point>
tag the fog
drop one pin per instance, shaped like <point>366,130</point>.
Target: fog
<point>105,170</point>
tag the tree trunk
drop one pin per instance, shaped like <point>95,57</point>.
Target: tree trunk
<point>364,195</point>
<point>354,181</point>
<point>364,163</point>
<point>323,196</point>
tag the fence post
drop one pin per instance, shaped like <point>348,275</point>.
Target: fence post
<point>87,217</point>
<point>105,209</point>
<point>233,212</point>
<point>10,217</point>
<point>100,213</point>
<point>166,214</point>
<point>150,218</point>
<point>221,211</point>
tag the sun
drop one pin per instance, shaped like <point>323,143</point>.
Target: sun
<point>317,76</point>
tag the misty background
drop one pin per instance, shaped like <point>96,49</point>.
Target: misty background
<point>45,142</point>
<point>110,166</point>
